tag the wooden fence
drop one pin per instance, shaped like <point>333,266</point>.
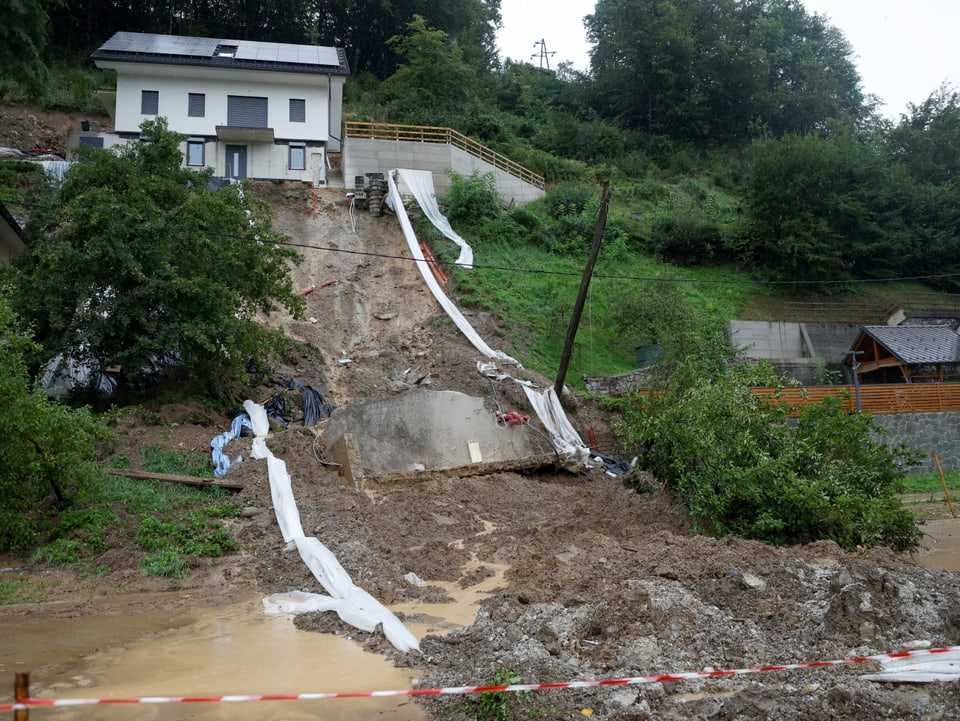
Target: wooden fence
<point>859,311</point>
<point>880,399</point>
<point>431,134</point>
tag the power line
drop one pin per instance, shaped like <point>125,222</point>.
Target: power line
<point>607,276</point>
<point>600,276</point>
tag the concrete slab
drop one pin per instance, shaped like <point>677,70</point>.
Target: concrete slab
<point>424,431</point>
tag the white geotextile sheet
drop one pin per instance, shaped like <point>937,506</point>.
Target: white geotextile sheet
<point>919,669</point>
<point>420,184</point>
<point>396,202</point>
<point>354,605</point>
<point>546,404</point>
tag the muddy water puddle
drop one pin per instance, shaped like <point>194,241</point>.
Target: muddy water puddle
<point>940,545</point>
<point>229,650</point>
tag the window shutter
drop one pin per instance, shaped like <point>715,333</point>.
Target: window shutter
<point>244,112</point>
<point>298,110</point>
<point>196,105</point>
<point>149,102</point>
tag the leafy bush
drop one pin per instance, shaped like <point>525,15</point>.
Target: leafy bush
<point>472,200</point>
<point>686,238</point>
<point>48,449</point>
<point>569,200</point>
<point>741,469</point>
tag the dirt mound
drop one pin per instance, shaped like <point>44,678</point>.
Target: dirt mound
<point>25,128</point>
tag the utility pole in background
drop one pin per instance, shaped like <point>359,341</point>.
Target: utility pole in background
<point>582,295</point>
<point>543,54</point>
<point>855,364</point>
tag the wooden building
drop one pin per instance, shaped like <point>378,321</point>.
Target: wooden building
<point>906,354</point>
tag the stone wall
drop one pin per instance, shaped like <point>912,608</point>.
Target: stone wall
<point>928,432</point>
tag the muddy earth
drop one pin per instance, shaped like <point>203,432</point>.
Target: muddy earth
<point>598,582</point>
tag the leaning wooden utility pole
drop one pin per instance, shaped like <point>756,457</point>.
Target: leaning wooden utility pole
<point>582,295</point>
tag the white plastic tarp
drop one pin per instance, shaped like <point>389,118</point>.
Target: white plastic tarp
<point>352,604</point>
<point>944,666</point>
<point>546,404</point>
<point>396,202</point>
<point>420,185</point>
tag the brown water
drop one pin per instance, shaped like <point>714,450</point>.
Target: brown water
<point>236,649</point>
<point>940,546</point>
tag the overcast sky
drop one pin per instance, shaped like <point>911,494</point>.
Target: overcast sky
<point>904,49</point>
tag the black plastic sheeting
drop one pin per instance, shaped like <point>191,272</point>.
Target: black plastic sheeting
<point>315,407</point>
<point>612,466</point>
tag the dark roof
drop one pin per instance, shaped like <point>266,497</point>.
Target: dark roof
<point>918,344</point>
<point>221,53</point>
<point>10,220</point>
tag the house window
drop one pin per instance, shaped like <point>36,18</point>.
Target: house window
<point>246,112</point>
<point>225,51</point>
<point>298,156</point>
<point>195,150</point>
<point>298,110</point>
<point>91,141</point>
<point>149,102</point>
<point>196,105</point>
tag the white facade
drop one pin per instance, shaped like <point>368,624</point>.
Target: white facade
<point>270,112</point>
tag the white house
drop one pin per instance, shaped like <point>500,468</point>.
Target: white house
<point>266,111</point>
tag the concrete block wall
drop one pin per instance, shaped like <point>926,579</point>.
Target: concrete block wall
<point>363,155</point>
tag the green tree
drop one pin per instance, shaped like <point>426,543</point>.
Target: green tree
<point>740,469</point>
<point>813,207</point>
<point>23,37</point>
<point>139,259</point>
<point>660,314</point>
<point>48,449</point>
<point>720,69</point>
<point>808,74</point>
<point>434,74</point>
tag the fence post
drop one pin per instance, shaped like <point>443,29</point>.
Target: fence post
<point>21,692</point>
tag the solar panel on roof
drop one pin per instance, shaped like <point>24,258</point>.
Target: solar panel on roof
<point>261,52</point>
<point>327,56</point>
<point>287,53</point>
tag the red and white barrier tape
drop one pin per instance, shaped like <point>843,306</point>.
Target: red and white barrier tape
<point>32,702</point>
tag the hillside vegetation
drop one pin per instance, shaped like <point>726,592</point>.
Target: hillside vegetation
<point>744,161</point>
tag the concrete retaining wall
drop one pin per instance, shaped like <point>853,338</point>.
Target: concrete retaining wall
<point>362,156</point>
<point>418,431</point>
<point>927,432</point>
<point>767,339</point>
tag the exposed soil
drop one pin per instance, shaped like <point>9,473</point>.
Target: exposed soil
<point>601,582</point>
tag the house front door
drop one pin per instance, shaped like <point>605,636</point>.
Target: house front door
<point>236,161</point>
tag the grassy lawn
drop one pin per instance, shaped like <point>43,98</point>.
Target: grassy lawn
<point>931,483</point>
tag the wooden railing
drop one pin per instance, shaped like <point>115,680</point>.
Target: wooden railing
<point>879,399</point>
<point>860,313</point>
<point>431,134</point>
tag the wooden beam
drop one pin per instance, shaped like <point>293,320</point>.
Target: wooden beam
<point>869,366</point>
<point>171,478</point>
